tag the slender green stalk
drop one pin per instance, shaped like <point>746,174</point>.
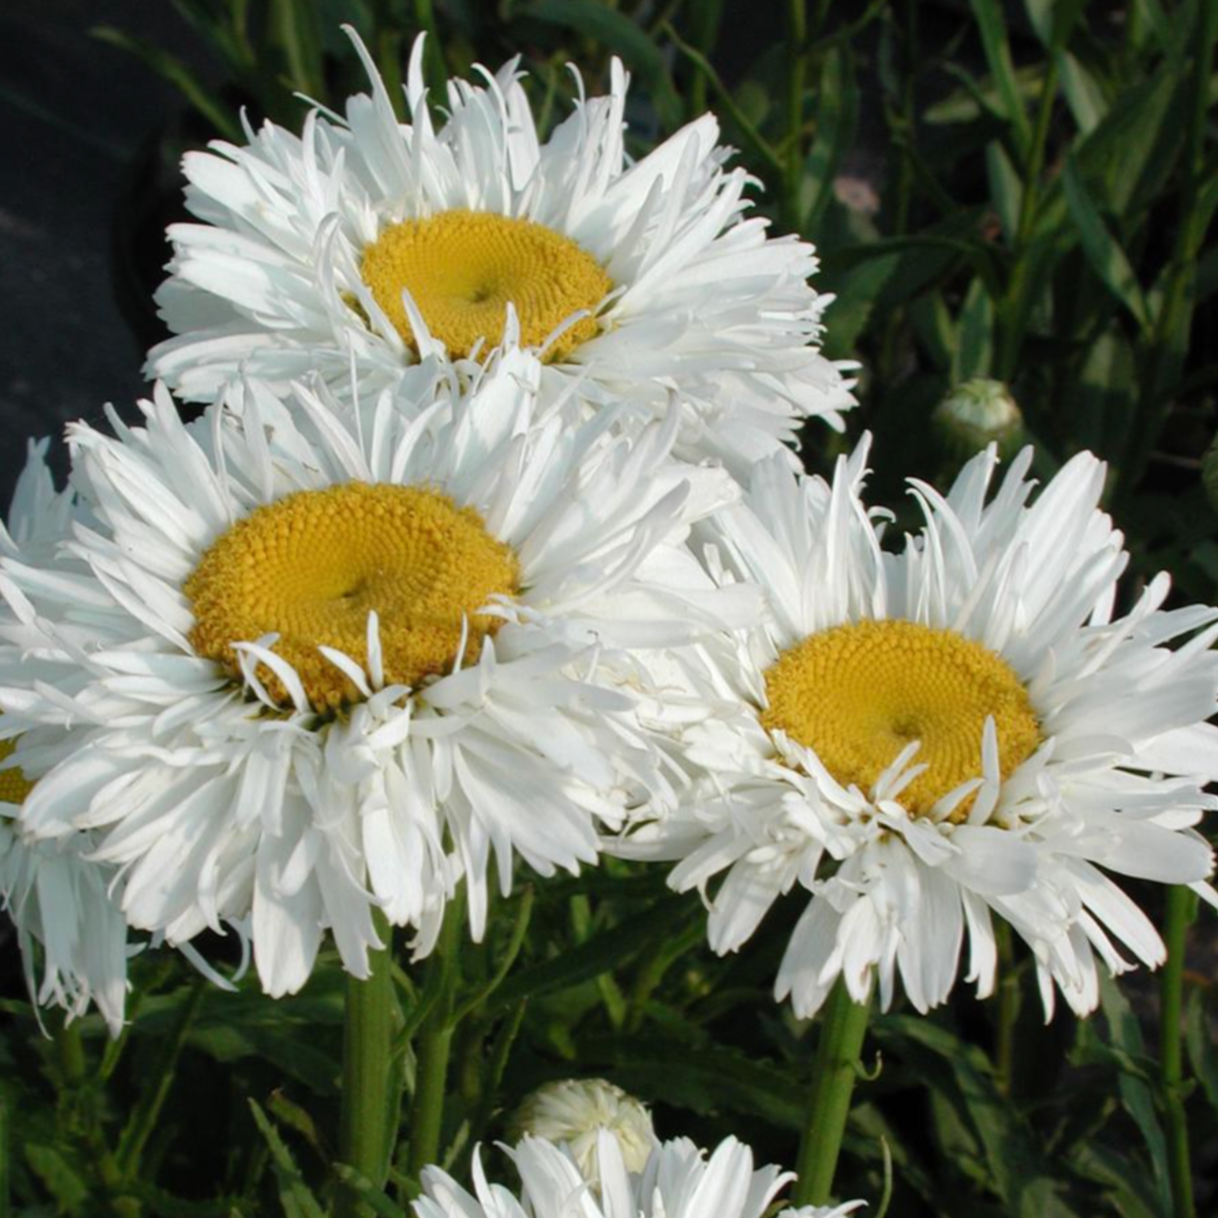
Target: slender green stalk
<point>1171,1057</point>
<point>1008,1013</point>
<point>433,1047</point>
<point>369,1117</point>
<point>797,41</point>
<point>6,1142</point>
<point>75,1073</point>
<point>144,1119</point>
<point>843,1027</point>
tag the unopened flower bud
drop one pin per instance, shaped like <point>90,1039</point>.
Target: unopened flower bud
<point>977,413</point>
<point>574,1111</point>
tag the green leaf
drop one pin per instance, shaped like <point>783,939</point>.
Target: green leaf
<point>703,1077</point>
<point>837,102</point>
<point>1198,1037</point>
<point>1137,1096</point>
<point>610,28</point>
<point>961,1076</point>
<point>998,57</point>
<point>1006,189</point>
<point>599,954</point>
<point>179,75</point>
<point>1086,99</point>
<point>60,1177</point>
<point>295,1195</point>
<point>975,347</point>
<point>1053,20</point>
<point>1104,254</point>
<point>368,1192</point>
<point>293,25</point>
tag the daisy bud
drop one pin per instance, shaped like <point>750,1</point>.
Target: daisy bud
<point>576,1110</point>
<point>976,413</point>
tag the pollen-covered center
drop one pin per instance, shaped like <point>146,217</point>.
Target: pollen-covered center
<point>462,269</point>
<point>858,694</point>
<point>14,786</point>
<point>312,566</point>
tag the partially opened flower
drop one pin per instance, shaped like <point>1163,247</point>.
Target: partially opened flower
<point>72,936</point>
<point>313,661</point>
<point>678,1181</point>
<point>373,242</point>
<point>923,738</point>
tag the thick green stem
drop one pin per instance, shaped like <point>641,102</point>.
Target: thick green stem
<point>433,1047</point>
<point>843,1027</point>
<point>1171,1057</point>
<point>370,1098</point>
<point>1008,1013</point>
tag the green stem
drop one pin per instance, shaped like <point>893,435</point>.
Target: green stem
<point>1008,1013</point>
<point>843,1027</point>
<point>6,1141</point>
<point>1171,1057</point>
<point>797,40</point>
<point>433,1047</point>
<point>369,1117</point>
<point>75,1072</point>
<point>144,1119</point>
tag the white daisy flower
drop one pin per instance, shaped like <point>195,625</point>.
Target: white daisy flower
<point>678,1181</point>
<point>364,240</point>
<point>575,1111</point>
<point>925,738</point>
<point>68,928</point>
<point>312,661</point>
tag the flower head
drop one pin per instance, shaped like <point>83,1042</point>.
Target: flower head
<point>922,738</point>
<point>677,1181</point>
<point>368,243</point>
<point>68,927</point>
<point>307,661</point>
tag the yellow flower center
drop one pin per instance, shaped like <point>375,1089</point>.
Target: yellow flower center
<point>858,694</point>
<point>462,268</point>
<point>313,565</point>
<point>14,786</point>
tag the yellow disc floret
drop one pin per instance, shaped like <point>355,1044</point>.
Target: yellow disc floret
<point>462,268</point>
<point>858,694</point>
<point>312,566</point>
<point>14,786</point>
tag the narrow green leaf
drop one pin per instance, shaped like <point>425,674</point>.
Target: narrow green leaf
<point>1125,1035</point>
<point>178,74</point>
<point>294,1194</point>
<point>1086,99</point>
<point>600,953</point>
<point>1104,254</point>
<point>1006,189</point>
<point>293,25</point>
<point>998,57</point>
<point>610,28</point>
<point>837,101</point>
<point>368,1192</point>
<point>1198,1038</point>
<point>975,348</point>
<point>1053,20</point>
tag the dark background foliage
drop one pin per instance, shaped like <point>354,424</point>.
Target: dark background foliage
<point>1021,191</point>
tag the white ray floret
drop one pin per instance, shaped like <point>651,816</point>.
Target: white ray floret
<point>677,1181</point>
<point>1092,760</point>
<point>696,299</point>
<point>72,936</point>
<point>222,783</point>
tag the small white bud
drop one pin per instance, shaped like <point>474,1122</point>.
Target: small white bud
<point>574,1111</point>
